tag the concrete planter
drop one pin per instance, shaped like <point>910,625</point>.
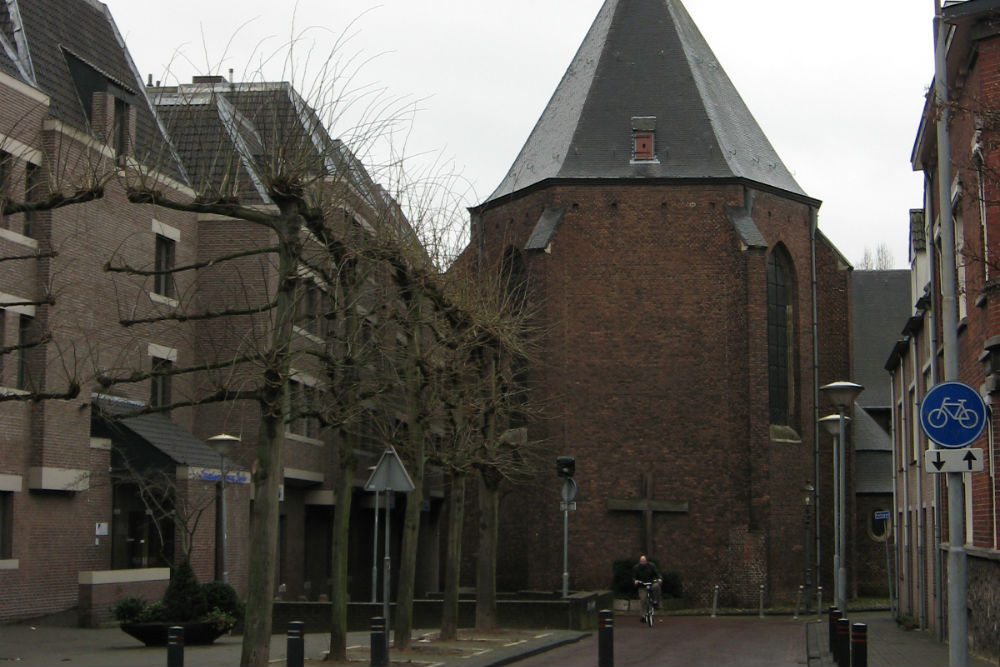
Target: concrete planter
<point>195,632</point>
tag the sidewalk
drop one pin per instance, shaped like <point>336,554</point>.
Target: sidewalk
<point>46,645</point>
<point>888,644</point>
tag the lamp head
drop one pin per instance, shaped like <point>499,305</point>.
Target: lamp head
<point>842,394</point>
<point>222,443</point>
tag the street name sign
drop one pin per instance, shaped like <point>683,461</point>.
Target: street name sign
<point>954,460</point>
<point>952,414</point>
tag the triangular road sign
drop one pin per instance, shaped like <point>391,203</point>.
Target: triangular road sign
<point>389,474</point>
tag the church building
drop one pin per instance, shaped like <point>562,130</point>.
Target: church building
<point>690,310</point>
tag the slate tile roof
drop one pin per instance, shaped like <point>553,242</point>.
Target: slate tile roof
<point>646,58</point>
<point>158,430</point>
<point>230,135</point>
<point>55,31</point>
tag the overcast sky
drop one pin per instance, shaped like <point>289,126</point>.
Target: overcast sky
<point>838,87</point>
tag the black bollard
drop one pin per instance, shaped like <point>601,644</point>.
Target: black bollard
<point>379,643</point>
<point>859,645</point>
<point>605,638</point>
<point>831,641</point>
<point>296,650</point>
<point>175,646</point>
<point>843,654</point>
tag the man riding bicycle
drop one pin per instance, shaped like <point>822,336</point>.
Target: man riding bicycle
<point>644,573</point>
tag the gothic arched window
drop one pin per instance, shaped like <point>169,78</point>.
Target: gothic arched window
<point>781,337</point>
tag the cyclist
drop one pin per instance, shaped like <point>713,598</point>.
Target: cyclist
<point>644,573</point>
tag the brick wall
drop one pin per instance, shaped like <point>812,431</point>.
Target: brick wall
<point>655,360</point>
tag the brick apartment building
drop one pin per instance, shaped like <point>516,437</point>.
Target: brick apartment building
<point>74,531</point>
<point>691,310</point>
<point>917,361</point>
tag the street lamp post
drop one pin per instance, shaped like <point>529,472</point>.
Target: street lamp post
<point>842,395</point>
<point>221,444</point>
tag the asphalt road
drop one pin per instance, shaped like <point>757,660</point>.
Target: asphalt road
<point>691,640</point>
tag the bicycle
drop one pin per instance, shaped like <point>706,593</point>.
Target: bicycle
<point>650,604</point>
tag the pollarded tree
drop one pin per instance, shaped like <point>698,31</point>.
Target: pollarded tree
<point>271,188</point>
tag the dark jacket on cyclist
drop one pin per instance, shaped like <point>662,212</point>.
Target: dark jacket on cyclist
<point>645,572</point>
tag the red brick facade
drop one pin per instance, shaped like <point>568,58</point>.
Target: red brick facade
<point>655,359</point>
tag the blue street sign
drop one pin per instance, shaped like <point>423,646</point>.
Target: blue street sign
<point>953,414</point>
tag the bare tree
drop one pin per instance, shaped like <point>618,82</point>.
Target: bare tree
<point>878,259</point>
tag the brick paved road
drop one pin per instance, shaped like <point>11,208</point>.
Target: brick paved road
<point>691,640</point>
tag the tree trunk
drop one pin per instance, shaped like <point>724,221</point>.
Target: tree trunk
<point>453,562</point>
<point>264,537</point>
<point>341,538</point>
<point>266,470</point>
<point>408,551</point>
<point>486,565</point>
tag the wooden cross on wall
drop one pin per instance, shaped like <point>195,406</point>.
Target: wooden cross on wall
<point>648,506</point>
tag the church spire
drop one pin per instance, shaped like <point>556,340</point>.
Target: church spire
<point>645,97</point>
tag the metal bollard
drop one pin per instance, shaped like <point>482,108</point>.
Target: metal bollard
<point>859,645</point>
<point>762,600</point>
<point>715,602</point>
<point>798,601</point>
<point>175,646</point>
<point>843,653</point>
<point>831,640</point>
<point>379,643</point>
<point>605,639</point>
<point>819,602</point>
<point>296,647</point>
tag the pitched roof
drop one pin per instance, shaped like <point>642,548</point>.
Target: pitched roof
<point>44,40</point>
<point>166,436</point>
<point>880,301</point>
<point>231,135</point>
<point>641,59</point>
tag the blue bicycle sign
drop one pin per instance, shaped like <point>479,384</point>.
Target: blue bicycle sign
<point>953,414</point>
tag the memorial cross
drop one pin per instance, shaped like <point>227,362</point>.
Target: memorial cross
<point>648,506</point>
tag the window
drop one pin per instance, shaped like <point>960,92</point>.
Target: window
<point>643,136</point>
<point>780,338</point>
<point>32,193</point>
<point>6,524</point>
<point>140,538</point>
<point>3,343</point>
<point>301,401</point>
<point>25,339</point>
<point>163,282</point>
<point>310,313</point>
<point>6,174</point>
<point>159,394</point>
<point>643,146</point>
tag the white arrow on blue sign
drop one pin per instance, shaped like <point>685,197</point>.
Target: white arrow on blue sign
<point>953,414</point>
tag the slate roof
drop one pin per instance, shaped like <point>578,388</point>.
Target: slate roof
<point>158,430</point>
<point>54,31</point>
<point>230,134</point>
<point>880,301</point>
<point>645,58</point>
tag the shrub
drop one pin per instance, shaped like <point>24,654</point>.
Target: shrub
<point>155,612</point>
<point>128,610</point>
<point>184,599</point>
<point>672,587</point>
<point>223,598</point>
